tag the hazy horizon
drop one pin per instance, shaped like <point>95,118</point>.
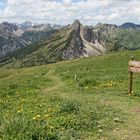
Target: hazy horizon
<point>63,12</point>
<point>67,24</point>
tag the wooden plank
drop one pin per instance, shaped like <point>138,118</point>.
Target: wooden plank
<point>134,63</point>
<point>134,69</point>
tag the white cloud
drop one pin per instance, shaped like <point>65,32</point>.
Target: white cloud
<point>89,11</point>
<point>67,2</point>
<point>114,16</point>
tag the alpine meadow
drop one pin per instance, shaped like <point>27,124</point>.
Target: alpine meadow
<point>65,70</point>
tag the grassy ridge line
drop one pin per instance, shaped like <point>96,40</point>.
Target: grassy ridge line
<point>95,106</point>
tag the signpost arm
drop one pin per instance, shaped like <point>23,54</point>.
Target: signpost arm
<point>130,80</point>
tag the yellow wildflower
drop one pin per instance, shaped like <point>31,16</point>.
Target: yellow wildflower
<point>51,127</point>
<point>36,118</point>
<point>62,128</point>
<point>20,110</point>
<point>46,115</point>
<point>51,109</point>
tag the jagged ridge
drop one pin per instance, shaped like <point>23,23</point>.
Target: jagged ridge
<point>75,41</point>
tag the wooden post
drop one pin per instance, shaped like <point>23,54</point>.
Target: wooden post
<point>130,80</point>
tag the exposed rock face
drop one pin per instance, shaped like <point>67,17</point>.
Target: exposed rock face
<point>75,46</point>
<point>7,27</point>
<point>95,38</point>
<point>9,41</point>
<point>87,41</point>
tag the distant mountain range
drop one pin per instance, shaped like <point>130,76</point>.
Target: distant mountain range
<point>30,44</point>
<point>27,25</point>
<point>130,25</point>
<point>17,36</point>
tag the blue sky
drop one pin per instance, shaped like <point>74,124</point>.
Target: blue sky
<point>2,4</point>
<point>89,12</point>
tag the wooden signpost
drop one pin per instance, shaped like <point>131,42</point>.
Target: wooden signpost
<point>134,67</point>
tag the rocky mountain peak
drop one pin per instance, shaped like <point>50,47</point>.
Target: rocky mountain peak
<point>9,26</point>
<point>76,24</point>
<point>26,25</point>
<point>100,25</point>
<point>105,29</point>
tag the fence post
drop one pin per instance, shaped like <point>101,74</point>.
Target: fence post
<point>130,80</point>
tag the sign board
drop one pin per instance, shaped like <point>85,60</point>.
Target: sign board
<point>134,63</point>
<point>133,67</point>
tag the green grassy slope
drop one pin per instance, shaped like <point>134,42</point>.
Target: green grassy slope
<point>124,39</point>
<point>45,51</point>
<point>82,99</point>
